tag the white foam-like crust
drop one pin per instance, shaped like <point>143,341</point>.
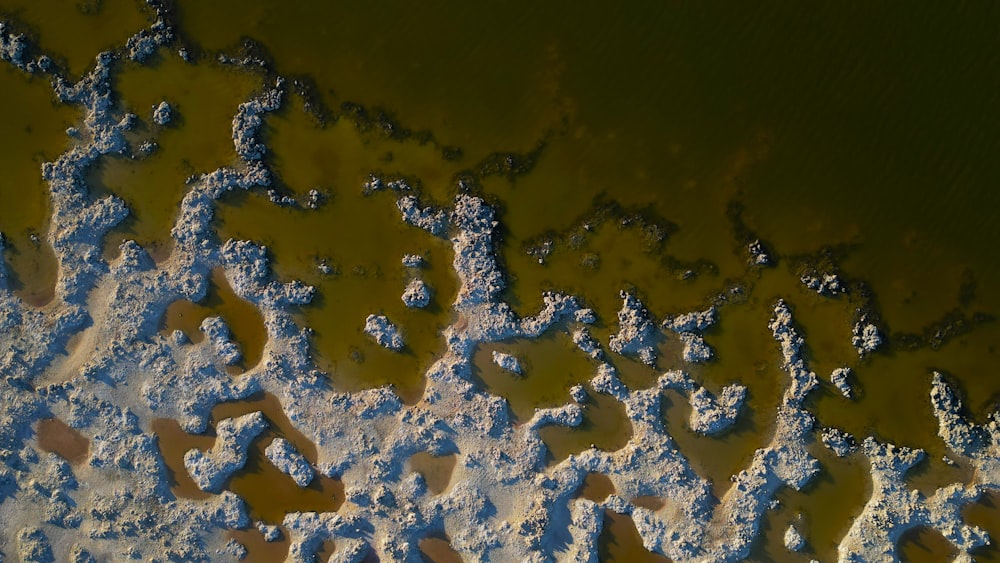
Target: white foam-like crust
<point>162,113</point>
<point>793,539</point>
<point>210,469</point>
<point>385,333</point>
<point>417,294</point>
<point>507,362</point>
<point>503,502</point>
<point>285,457</point>
<point>840,378</point>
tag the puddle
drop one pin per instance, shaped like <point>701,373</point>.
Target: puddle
<point>435,469</point>
<point>924,545</point>
<point>985,513</point>
<point>34,132</point>
<point>551,365</point>
<point>59,438</point>
<point>604,426</point>
<point>76,34</point>
<point>595,487</point>
<point>363,240</point>
<point>246,325</point>
<point>260,550</point>
<point>437,549</point>
<point>620,541</point>
<point>268,492</point>
<point>203,99</point>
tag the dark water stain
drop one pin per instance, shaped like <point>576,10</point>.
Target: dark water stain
<point>246,325</point>
<point>59,438</point>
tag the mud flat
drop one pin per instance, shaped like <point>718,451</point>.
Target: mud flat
<point>461,470</point>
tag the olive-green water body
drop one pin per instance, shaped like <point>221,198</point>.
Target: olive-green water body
<point>246,325</point>
<point>822,511</point>
<point>436,549</point>
<point>360,238</point>
<point>551,365</point>
<point>203,99</point>
<point>34,131</point>
<point>59,438</point>
<point>76,32</point>
<point>620,541</point>
<point>842,103</point>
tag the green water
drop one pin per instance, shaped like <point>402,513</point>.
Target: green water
<point>870,130</point>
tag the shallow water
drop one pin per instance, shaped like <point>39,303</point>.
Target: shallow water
<point>436,470</point>
<point>360,238</point>
<point>76,32</point>
<point>860,130</point>
<point>246,325</point>
<point>203,99</point>
<point>268,492</point>
<point>620,541</point>
<point>59,438</point>
<point>34,131</point>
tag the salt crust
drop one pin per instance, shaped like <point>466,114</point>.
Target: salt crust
<point>504,502</point>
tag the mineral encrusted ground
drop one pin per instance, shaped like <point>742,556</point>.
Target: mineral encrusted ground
<point>504,503</point>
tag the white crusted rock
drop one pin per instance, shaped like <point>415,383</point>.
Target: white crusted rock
<point>839,442</point>
<point>793,539</point>
<point>162,113</point>
<point>840,378</point>
<point>507,362</point>
<point>210,470</point>
<point>636,332</point>
<point>285,457</point>
<point>384,332</point>
<point>417,294</point>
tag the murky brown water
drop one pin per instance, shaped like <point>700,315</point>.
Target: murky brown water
<point>361,239</point>
<point>246,325</point>
<point>620,541</point>
<point>57,437</point>
<point>596,487</point>
<point>661,115</point>
<point>268,492</point>
<point>436,549</point>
